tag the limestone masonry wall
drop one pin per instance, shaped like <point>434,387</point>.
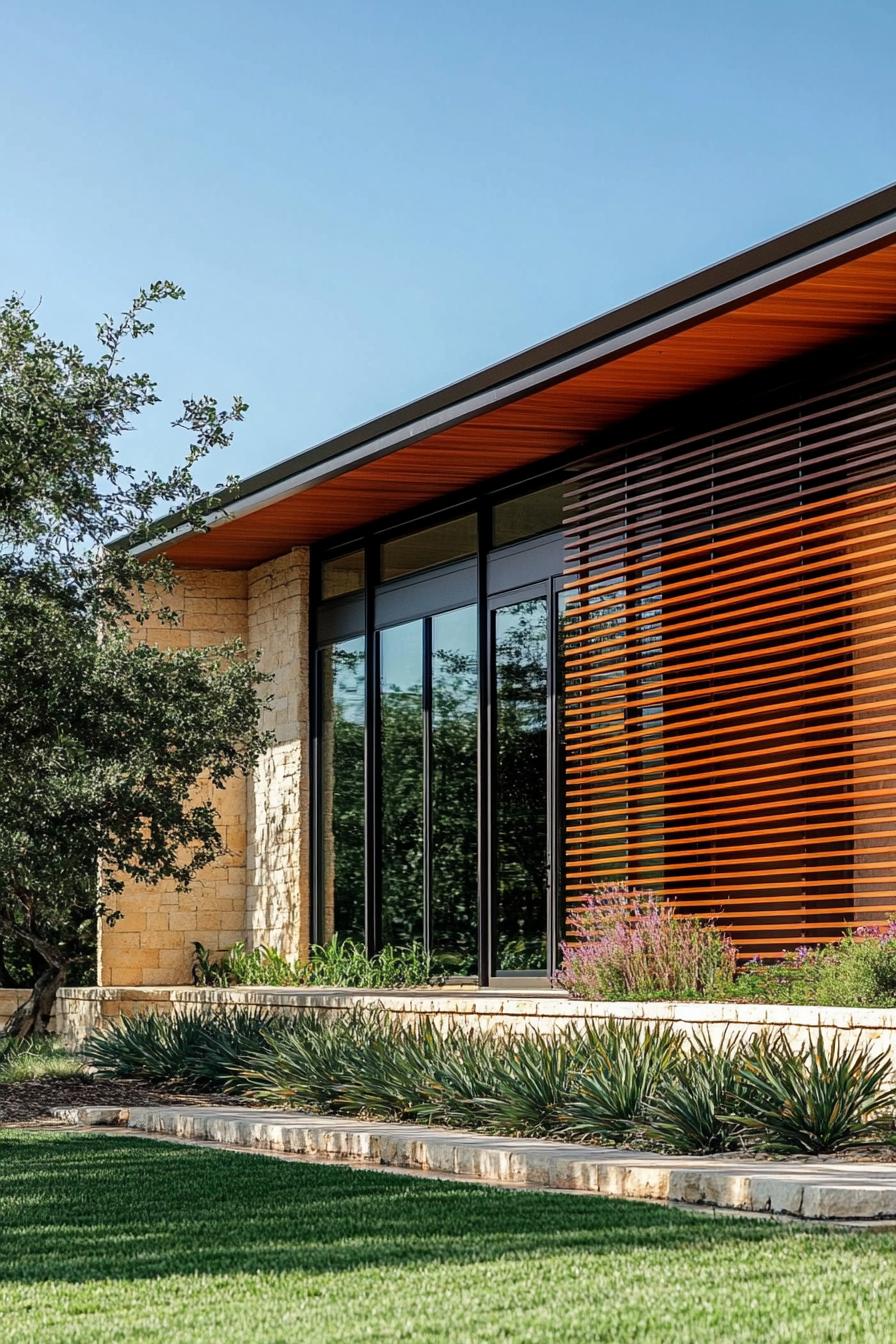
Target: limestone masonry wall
<point>278,892</point>
<point>260,891</point>
<point>80,1011</point>
<point>152,942</point>
<point>10,1000</point>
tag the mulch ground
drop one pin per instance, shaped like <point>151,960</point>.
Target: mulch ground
<point>30,1103</point>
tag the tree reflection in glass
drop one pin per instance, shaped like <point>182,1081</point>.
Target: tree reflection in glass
<point>454,905</point>
<point>521,719</point>
<point>342,787</point>
<point>401,783</point>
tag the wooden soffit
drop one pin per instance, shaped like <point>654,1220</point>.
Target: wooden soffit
<point>719,336</point>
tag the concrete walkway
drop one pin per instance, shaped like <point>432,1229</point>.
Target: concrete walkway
<point>812,1189</point>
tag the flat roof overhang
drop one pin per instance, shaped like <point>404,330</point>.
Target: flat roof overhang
<point>826,281</point>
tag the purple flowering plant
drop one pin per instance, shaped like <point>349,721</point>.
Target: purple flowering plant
<point>626,943</point>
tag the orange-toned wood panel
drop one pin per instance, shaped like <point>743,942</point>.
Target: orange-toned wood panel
<point>730,662</point>
<point>836,304</point>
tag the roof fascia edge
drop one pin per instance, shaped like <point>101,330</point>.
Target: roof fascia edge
<point>713,302</point>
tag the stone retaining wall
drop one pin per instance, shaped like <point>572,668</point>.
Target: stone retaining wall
<point>82,1010</point>
<point>10,999</point>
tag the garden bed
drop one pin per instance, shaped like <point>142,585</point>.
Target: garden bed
<point>33,1102</point>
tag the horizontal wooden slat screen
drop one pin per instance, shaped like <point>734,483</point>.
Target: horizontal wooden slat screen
<point>730,664</point>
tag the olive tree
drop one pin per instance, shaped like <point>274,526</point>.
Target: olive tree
<point>103,738</point>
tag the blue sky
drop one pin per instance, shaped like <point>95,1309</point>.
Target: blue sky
<point>365,201</point>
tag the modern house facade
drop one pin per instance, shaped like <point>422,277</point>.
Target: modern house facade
<point>620,608</point>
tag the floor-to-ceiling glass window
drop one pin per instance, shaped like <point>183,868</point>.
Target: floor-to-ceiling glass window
<point>341,681</point>
<point>454,698</point>
<point>401,820</point>
<point>438,756</point>
<point>520,787</point>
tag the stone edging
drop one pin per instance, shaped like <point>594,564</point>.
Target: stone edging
<point>812,1189</point>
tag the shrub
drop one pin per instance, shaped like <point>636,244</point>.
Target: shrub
<point>861,970</point>
<point>790,978</point>
<point>339,962</point>
<point>301,1063</point>
<point>202,1052</point>
<point>623,1066</point>
<point>815,1100</point>
<point>389,1068</point>
<point>691,1110</point>
<point>531,1082</point>
<point>463,1084</point>
<point>628,945</point>
<point>858,971</point>
<point>612,1082</point>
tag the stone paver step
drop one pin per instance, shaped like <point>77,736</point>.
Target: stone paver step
<point>812,1189</point>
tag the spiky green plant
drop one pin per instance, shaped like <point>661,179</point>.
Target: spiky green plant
<point>623,1065</point>
<point>531,1083</point>
<point>812,1100</point>
<point>301,1063</point>
<point>462,1081</point>
<point>198,1051</point>
<point>390,1068</point>
<point>693,1107</point>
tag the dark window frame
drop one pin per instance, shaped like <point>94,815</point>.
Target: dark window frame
<point>435,590</point>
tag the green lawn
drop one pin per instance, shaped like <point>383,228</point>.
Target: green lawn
<point>116,1239</point>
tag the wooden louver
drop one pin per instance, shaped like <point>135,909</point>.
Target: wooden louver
<point>730,664</point>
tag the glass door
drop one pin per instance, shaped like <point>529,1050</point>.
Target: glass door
<point>521,686</point>
<point>427,787</point>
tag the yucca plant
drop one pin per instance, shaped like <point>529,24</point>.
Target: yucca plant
<point>462,1081</point>
<point>531,1083</point>
<point>693,1108</point>
<point>623,1065</point>
<point>390,1068</point>
<point>301,1063</point>
<point>199,1051</point>
<point>812,1100</point>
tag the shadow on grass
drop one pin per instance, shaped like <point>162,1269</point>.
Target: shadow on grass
<point>80,1207</point>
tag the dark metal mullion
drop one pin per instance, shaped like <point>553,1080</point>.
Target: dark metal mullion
<point>554,820</point>
<point>484,738</point>
<point>427,783</point>
<point>372,856</point>
<point>314,717</point>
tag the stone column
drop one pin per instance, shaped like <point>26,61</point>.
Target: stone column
<point>278,895</point>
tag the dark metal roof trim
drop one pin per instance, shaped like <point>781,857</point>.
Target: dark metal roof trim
<point>848,231</point>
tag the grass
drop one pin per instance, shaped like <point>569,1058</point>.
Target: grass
<point>29,1062</point>
<point>115,1238</point>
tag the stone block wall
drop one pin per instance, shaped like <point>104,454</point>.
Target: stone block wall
<point>80,1011</point>
<point>10,1000</point>
<point>260,890</point>
<point>152,943</point>
<point>278,892</point>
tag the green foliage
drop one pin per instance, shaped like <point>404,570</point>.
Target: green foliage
<point>388,1068</point>
<point>461,1087</point>
<point>623,1067</point>
<point>202,1052</point>
<point>300,1063</point>
<point>691,1111</point>
<point>28,1061</point>
<point>612,1082</point>
<point>101,739</point>
<point>858,971</point>
<point>816,1100</point>
<point>531,1083</point>
<point>340,962</point>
